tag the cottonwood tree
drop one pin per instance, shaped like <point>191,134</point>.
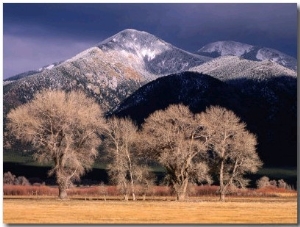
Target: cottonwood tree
<point>233,148</point>
<point>63,129</point>
<point>263,182</point>
<point>9,178</point>
<point>174,139</point>
<point>124,169</point>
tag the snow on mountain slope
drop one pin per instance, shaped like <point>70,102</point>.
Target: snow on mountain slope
<point>277,56</point>
<point>29,73</point>
<point>99,74</point>
<point>232,67</point>
<point>140,43</point>
<point>224,48</point>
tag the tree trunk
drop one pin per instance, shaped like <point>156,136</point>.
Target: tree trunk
<point>131,178</point>
<point>126,197</point>
<point>222,188</point>
<point>181,194</point>
<point>222,196</point>
<point>62,192</point>
<point>133,196</point>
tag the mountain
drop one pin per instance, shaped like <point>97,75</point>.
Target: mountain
<point>109,72</point>
<point>189,88</point>
<point>268,107</point>
<point>232,67</point>
<point>255,53</point>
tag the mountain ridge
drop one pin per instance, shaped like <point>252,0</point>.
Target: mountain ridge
<point>233,67</point>
<point>250,52</point>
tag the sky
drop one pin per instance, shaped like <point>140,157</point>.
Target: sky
<point>38,34</point>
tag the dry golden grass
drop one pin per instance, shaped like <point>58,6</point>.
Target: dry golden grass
<point>253,210</point>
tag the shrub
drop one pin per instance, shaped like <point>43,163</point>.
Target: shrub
<point>263,182</point>
<point>21,181</point>
<point>9,189</point>
<point>161,191</point>
<point>282,184</point>
<point>9,178</point>
<point>203,190</point>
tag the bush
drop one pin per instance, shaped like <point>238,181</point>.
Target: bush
<point>282,184</point>
<point>265,182</point>
<point>161,191</point>
<point>105,191</point>
<point>28,190</point>
<point>9,178</point>
<point>203,190</point>
<point>21,181</point>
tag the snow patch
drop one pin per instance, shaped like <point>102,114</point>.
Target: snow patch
<point>113,83</point>
<point>227,48</point>
<point>150,53</point>
<point>50,67</point>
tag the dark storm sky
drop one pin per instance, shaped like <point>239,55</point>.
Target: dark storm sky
<point>35,35</point>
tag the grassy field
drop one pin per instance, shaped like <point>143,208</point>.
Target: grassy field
<point>202,210</point>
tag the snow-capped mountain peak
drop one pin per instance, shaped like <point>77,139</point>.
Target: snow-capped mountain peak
<point>141,43</point>
<point>275,56</point>
<point>254,53</point>
<point>150,53</point>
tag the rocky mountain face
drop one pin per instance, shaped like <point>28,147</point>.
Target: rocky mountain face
<point>268,107</point>
<point>254,53</point>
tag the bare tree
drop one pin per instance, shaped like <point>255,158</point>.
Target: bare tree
<point>173,137</point>
<point>263,182</point>
<point>233,147</point>
<point>21,180</point>
<point>63,129</point>
<point>124,169</point>
<point>282,184</point>
<point>8,178</point>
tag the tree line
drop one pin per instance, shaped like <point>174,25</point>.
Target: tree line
<point>66,129</point>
